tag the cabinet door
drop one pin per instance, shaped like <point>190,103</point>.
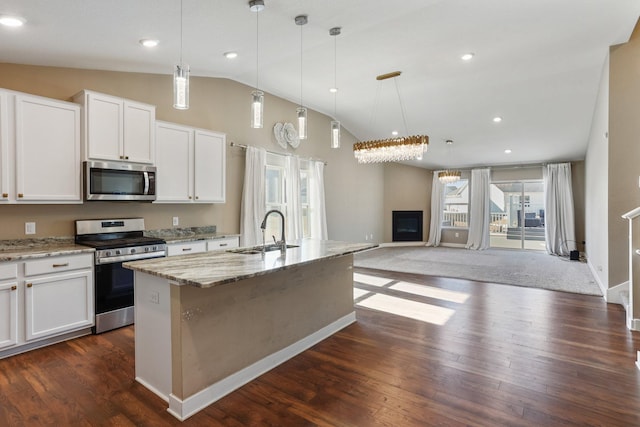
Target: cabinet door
<point>209,166</point>
<point>8,314</point>
<point>4,147</point>
<point>139,124</point>
<point>104,123</point>
<point>174,157</point>
<point>47,150</point>
<point>58,303</point>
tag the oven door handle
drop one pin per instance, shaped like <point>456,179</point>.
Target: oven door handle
<point>146,183</point>
<point>125,258</point>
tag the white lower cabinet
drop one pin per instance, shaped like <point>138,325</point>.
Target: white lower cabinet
<point>44,300</point>
<point>223,244</point>
<point>8,314</point>
<point>58,303</point>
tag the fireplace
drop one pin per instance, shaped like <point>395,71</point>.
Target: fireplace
<point>407,226</point>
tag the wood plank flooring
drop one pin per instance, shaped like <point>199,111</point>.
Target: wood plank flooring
<point>458,353</point>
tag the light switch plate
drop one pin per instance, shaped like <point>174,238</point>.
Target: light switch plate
<point>29,228</point>
<point>176,220</point>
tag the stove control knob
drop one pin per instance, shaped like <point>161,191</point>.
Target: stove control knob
<point>133,251</point>
<point>146,248</point>
<point>107,253</point>
<point>117,252</point>
<point>155,248</point>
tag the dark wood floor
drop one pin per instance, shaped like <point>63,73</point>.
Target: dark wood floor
<point>504,355</point>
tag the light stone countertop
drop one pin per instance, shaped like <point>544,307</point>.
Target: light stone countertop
<point>189,234</point>
<point>19,249</point>
<point>209,269</point>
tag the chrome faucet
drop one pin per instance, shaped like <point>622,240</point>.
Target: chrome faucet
<point>282,243</point>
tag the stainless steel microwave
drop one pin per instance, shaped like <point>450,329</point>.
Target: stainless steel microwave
<point>119,181</point>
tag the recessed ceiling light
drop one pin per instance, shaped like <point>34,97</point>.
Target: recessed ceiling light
<point>12,21</point>
<point>149,42</point>
<point>507,151</point>
<point>497,119</point>
<point>394,133</point>
<point>468,56</point>
<point>231,55</point>
<point>333,89</point>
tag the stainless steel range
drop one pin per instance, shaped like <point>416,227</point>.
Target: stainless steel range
<point>116,241</point>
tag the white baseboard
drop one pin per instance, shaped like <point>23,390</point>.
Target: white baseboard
<point>153,389</point>
<point>183,409</point>
<point>634,325</point>
<point>393,244</point>
<point>453,245</point>
<point>638,360</point>
<point>603,288</point>
<point>614,294</point>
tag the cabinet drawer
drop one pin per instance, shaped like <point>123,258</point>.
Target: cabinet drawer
<point>57,264</point>
<point>8,271</point>
<point>222,244</point>
<point>186,248</point>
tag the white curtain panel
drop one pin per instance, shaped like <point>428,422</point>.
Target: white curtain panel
<point>437,204</point>
<point>319,213</point>
<point>252,209</point>
<point>293,214</point>
<point>480,209</point>
<point>558,209</point>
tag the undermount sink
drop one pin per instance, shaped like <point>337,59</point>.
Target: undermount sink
<point>258,249</point>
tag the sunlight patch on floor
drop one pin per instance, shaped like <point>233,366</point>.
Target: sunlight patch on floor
<point>371,280</point>
<point>357,293</point>
<point>411,309</point>
<point>431,292</point>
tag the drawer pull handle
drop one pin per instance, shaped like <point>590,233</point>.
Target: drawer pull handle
<point>66,264</point>
<point>186,249</point>
<point>5,195</point>
<point>20,195</point>
<point>223,244</point>
<point>29,285</point>
<point>13,288</point>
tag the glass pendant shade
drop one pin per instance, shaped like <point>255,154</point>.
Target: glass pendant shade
<point>335,134</point>
<point>257,106</point>
<point>181,87</point>
<point>302,122</point>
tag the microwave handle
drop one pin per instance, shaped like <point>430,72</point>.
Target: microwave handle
<point>146,182</point>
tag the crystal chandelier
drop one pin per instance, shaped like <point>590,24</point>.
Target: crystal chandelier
<point>449,176</point>
<point>393,149</point>
<point>181,78</point>
<point>257,96</point>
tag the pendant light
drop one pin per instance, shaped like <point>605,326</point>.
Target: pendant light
<point>335,124</point>
<point>301,112</point>
<point>257,96</point>
<point>181,78</point>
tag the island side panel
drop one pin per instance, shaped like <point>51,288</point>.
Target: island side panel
<point>223,329</point>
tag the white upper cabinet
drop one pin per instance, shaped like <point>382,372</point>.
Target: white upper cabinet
<point>39,149</point>
<point>117,129</point>
<point>191,164</point>
<point>47,136</point>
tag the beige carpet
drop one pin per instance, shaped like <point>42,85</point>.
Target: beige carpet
<point>511,267</point>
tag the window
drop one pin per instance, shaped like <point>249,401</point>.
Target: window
<point>456,204</point>
<point>276,196</point>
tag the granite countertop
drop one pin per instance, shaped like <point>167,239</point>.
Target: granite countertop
<point>209,269</point>
<point>189,234</point>
<point>15,250</point>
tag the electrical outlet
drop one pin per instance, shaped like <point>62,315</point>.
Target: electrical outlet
<point>29,228</point>
<point>457,234</point>
<point>154,297</point>
<point>176,221</point>
<point>366,237</point>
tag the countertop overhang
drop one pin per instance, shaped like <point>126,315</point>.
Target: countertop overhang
<point>209,269</point>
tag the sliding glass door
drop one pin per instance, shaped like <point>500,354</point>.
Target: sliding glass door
<point>517,215</point>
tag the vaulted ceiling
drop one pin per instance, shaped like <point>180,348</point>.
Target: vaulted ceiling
<point>537,63</point>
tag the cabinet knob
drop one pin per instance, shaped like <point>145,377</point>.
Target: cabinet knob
<point>13,288</point>
<point>121,157</point>
<point>126,157</point>
<point>197,197</point>
<point>190,197</point>
<point>29,285</point>
<point>5,195</point>
<point>20,195</point>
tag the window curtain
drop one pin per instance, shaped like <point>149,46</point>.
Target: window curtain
<point>558,209</point>
<point>479,210</point>
<point>318,221</point>
<point>437,204</point>
<point>293,214</point>
<point>252,209</point>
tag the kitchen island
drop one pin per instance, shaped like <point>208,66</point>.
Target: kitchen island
<point>208,323</point>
